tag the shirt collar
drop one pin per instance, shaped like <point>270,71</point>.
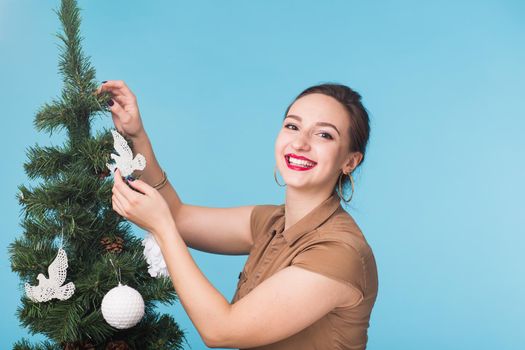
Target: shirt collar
<point>309,222</point>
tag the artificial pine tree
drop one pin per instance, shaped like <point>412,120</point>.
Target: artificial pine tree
<point>73,200</point>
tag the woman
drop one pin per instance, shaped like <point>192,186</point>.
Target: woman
<point>310,280</point>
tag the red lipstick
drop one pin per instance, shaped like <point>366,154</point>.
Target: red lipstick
<point>298,167</point>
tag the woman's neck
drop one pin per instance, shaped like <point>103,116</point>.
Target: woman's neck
<point>298,204</point>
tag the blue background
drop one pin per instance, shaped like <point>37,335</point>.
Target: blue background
<point>439,197</point>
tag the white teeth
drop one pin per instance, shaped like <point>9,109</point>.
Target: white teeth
<point>300,162</point>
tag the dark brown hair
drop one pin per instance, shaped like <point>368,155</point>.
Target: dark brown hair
<point>359,120</point>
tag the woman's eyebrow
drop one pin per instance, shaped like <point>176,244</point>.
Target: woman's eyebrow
<point>318,123</point>
<point>329,125</point>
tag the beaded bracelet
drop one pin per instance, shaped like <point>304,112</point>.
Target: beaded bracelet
<point>162,182</point>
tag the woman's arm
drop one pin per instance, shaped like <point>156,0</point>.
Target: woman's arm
<point>214,230</point>
<point>279,307</point>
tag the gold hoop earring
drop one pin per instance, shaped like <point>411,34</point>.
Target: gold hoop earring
<point>341,187</point>
<point>275,177</point>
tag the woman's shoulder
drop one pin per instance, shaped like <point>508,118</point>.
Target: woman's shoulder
<point>341,227</point>
<point>267,212</point>
<point>342,233</point>
<point>265,209</point>
<point>264,216</point>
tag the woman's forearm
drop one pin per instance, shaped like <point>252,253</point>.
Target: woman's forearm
<point>205,305</point>
<point>152,174</point>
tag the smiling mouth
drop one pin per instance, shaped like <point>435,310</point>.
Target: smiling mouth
<point>300,163</point>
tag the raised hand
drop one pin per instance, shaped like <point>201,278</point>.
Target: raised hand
<point>141,204</point>
<point>124,108</point>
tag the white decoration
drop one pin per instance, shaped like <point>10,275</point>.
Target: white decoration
<point>122,307</point>
<point>157,266</point>
<point>51,288</point>
<point>124,161</point>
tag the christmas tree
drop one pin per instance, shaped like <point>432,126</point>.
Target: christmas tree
<point>67,210</point>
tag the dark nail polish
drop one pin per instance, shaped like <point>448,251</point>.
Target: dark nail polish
<point>105,81</point>
<point>110,103</point>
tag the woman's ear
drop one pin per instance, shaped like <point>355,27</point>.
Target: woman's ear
<point>353,161</point>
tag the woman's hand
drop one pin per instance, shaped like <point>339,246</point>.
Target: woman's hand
<point>124,108</point>
<point>146,208</point>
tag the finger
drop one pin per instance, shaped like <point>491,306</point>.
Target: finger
<point>117,206</point>
<point>119,114</point>
<point>122,99</point>
<point>118,95</point>
<point>142,187</point>
<point>121,201</point>
<point>117,86</point>
<point>102,87</point>
<point>129,195</point>
<point>118,190</point>
<point>118,179</point>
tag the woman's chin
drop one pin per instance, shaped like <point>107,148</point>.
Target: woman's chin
<point>297,184</point>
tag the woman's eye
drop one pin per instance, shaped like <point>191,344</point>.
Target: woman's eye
<point>326,135</point>
<point>290,126</point>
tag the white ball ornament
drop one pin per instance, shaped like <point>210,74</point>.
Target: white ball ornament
<point>122,307</point>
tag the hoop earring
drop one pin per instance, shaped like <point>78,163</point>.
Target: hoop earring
<point>275,177</point>
<point>341,187</point>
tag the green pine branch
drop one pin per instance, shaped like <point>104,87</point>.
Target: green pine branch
<point>89,157</point>
<point>25,345</point>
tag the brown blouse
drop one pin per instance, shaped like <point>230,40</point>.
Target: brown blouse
<point>327,241</point>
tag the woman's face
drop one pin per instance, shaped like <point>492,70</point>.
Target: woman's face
<point>313,146</point>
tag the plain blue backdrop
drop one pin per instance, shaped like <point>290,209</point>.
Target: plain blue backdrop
<point>439,197</point>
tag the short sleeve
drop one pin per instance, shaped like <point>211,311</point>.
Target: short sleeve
<point>336,260</point>
<point>260,219</point>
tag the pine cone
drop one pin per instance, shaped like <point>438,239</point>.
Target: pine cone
<point>85,345</point>
<point>117,345</point>
<point>103,174</point>
<point>113,244</point>
<point>114,248</point>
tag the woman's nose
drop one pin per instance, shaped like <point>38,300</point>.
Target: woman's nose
<point>301,142</point>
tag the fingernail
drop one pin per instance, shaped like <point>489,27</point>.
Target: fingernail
<point>105,81</point>
<point>110,103</point>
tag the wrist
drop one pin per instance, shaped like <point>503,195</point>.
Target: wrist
<point>165,231</point>
<point>140,136</point>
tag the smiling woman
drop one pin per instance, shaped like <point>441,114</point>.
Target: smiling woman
<point>328,102</point>
<point>310,281</point>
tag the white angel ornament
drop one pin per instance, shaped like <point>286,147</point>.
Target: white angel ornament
<point>124,161</point>
<point>52,288</point>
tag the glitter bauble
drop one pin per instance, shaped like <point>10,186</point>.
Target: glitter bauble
<point>122,307</point>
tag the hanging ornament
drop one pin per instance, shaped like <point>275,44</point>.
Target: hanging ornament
<point>156,264</point>
<point>122,307</point>
<point>124,161</point>
<point>51,288</point>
